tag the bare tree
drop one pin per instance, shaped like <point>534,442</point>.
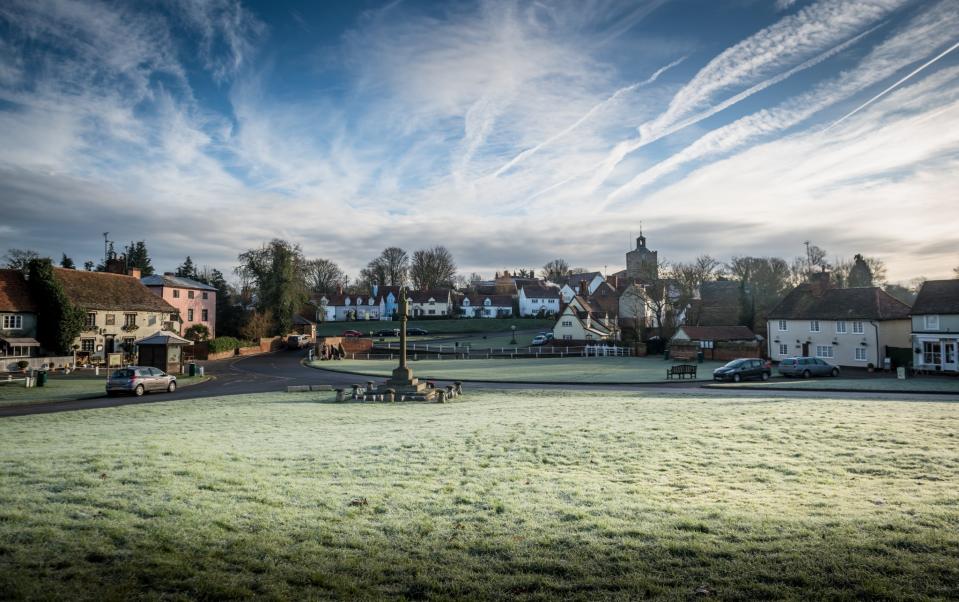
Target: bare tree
<point>813,261</point>
<point>19,259</point>
<point>956,271</point>
<point>690,276</point>
<point>555,270</point>
<point>432,268</point>
<point>767,279</point>
<point>395,264</point>
<point>323,275</point>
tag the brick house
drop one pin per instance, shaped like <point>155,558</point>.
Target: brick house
<point>18,320</point>
<point>194,300</point>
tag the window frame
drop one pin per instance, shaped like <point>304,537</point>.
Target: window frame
<point>858,327</point>
<point>931,322</point>
<point>860,351</point>
<point>176,293</point>
<point>91,341</point>
<point>824,348</point>
<point>783,326</point>
<point>12,322</point>
<point>190,295</point>
<point>818,326</point>
<point>784,349</point>
<point>129,319</point>
<point>204,315</point>
<point>189,314</point>
<point>841,327</point>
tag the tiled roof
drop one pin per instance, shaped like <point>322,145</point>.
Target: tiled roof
<point>540,292</point>
<point>862,303</point>
<point>175,282</point>
<point>718,333</point>
<point>937,297</point>
<point>573,280</point>
<point>720,303</point>
<point>102,290</point>
<point>14,293</point>
<point>496,300</point>
<point>441,295</point>
<point>605,299</point>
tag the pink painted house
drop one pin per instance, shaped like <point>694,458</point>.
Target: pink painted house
<point>195,300</point>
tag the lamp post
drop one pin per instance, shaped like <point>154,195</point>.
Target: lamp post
<point>513,330</point>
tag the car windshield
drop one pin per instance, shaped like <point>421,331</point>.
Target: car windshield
<point>735,364</point>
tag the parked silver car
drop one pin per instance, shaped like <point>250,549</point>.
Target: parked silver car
<point>806,367</point>
<point>139,380</point>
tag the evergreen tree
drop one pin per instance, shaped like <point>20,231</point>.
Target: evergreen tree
<point>88,266</point>
<point>187,269</point>
<point>59,322</point>
<point>138,257</point>
<point>67,263</point>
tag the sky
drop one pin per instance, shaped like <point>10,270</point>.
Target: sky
<point>511,132</point>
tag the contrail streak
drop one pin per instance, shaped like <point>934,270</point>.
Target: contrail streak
<point>892,87</point>
<point>526,153</point>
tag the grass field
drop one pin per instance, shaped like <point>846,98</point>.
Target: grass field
<point>520,495</point>
<point>439,326</point>
<point>575,369</point>
<point>67,388</point>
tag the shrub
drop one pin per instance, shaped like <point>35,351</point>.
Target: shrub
<point>197,332</point>
<point>22,364</point>
<point>221,344</point>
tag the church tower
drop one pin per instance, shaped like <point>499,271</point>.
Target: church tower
<point>641,263</point>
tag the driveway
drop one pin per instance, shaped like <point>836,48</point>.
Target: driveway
<point>273,372</point>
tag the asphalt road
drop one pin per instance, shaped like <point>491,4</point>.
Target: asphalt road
<point>273,372</point>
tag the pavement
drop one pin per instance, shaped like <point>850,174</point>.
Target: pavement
<point>273,372</point>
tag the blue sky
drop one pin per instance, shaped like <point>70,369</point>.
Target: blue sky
<point>511,132</point>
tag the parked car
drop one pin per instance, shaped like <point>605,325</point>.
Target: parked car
<point>743,369</point>
<point>387,332</point>
<point>417,332</point>
<point>297,341</point>
<point>807,367</point>
<point>539,340</point>
<point>351,334</point>
<point>139,380</point>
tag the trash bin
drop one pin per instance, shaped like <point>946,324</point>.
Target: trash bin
<point>666,353</point>
<point>700,356</point>
<point>201,370</point>
<point>192,369</point>
<point>41,378</point>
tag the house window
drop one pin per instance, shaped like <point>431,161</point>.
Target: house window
<point>206,295</point>
<point>17,351</point>
<point>431,312</point>
<point>204,315</point>
<point>841,327</point>
<point>814,326</point>
<point>782,326</point>
<point>176,293</point>
<point>857,327</point>
<point>931,322</point>
<point>91,320</point>
<point>931,352</point>
<point>130,320</point>
<point>860,354</point>
<point>432,302</point>
<point>12,322</point>
<point>567,337</point>
<point>783,349</point>
<point>567,323</point>
<point>189,315</point>
<point>189,294</point>
<point>824,351</point>
<point>87,345</point>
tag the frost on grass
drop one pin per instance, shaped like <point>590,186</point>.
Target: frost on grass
<point>532,495</point>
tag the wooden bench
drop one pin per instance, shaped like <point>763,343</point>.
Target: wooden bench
<point>681,371</point>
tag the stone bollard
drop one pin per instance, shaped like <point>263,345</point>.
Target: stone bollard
<point>390,396</point>
<point>459,387</point>
<point>340,395</point>
<point>450,391</point>
<point>356,391</point>
<point>370,386</point>
<point>441,396</point>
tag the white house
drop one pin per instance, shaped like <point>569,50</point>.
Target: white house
<point>538,300</point>
<point>486,306</point>
<point>434,302</point>
<point>572,285</point>
<point>935,326</point>
<point>851,327</point>
<point>574,324</point>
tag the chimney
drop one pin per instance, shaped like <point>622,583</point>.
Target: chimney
<point>169,273</point>
<point>339,288</point>
<point>819,283</point>
<point>135,272</point>
<point>583,287</point>
<point>613,281</point>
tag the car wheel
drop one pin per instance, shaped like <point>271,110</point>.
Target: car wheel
<point>806,374</point>
<point>171,387</point>
<point>737,378</point>
<point>765,375</point>
<point>138,391</point>
<point>835,372</point>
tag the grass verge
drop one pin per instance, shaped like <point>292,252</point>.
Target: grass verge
<point>68,389</point>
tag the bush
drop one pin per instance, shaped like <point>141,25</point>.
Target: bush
<point>197,332</point>
<point>22,364</point>
<point>221,344</point>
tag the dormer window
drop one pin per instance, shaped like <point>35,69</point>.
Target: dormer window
<point>931,322</point>
<point>487,303</point>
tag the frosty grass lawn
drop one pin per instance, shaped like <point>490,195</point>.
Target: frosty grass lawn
<point>573,369</point>
<point>932,384</point>
<point>505,495</point>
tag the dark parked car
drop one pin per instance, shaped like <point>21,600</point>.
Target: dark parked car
<point>351,334</point>
<point>807,367</point>
<point>388,332</point>
<point>139,380</point>
<point>743,369</point>
<point>416,332</point>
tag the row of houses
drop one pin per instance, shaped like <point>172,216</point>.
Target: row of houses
<point>119,310</point>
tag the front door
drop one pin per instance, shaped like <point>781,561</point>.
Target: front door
<point>805,349</point>
<point>950,355</point>
<point>108,345</point>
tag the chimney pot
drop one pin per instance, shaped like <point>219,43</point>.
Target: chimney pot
<point>135,272</point>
